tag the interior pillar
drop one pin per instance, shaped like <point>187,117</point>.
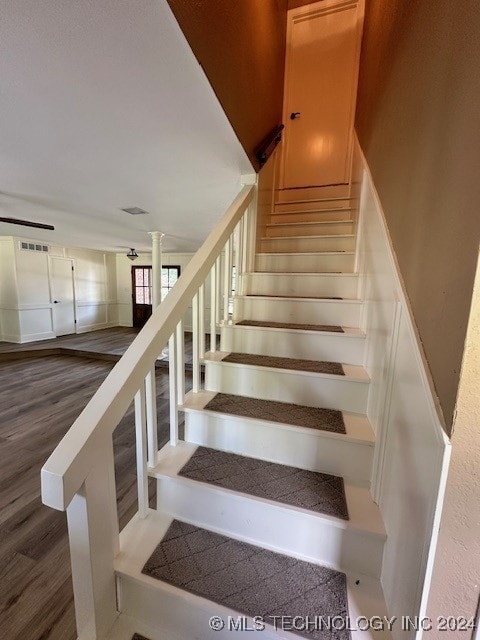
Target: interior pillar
<point>156,267</point>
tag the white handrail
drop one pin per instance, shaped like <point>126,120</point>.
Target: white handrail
<point>80,451</point>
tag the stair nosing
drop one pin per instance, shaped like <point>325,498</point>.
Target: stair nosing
<point>319,516</point>
<point>339,334</point>
<point>332,209</point>
<point>331,376</point>
<point>332,520</point>
<point>305,253</point>
<point>304,273</point>
<point>122,562</point>
<point>321,433</point>
<point>296,224</point>
<point>332,235</point>
<point>329,300</point>
<point>335,199</point>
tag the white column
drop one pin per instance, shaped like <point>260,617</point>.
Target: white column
<point>156,267</point>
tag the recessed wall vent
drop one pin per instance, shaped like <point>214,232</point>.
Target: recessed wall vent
<point>135,211</point>
<point>30,246</point>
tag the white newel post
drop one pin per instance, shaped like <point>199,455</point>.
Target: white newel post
<point>156,267</point>
<point>93,535</point>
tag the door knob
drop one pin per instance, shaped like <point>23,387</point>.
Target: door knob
<point>56,301</point>
<point>294,115</point>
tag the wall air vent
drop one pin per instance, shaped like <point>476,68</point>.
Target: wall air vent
<point>135,211</point>
<point>30,246</point>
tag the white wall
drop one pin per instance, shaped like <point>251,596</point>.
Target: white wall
<point>412,449</point>
<point>95,289</point>
<point>9,318</point>
<point>25,292</point>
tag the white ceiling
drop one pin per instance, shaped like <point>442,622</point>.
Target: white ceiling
<point>104,106</point>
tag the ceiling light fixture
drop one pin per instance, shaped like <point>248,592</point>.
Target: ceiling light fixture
<point>132,254</point>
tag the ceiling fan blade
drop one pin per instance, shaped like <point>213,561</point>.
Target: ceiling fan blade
<point>28,223</point>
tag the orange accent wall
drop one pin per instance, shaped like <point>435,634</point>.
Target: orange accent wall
<point>417,122</point>
<point>241,47</point>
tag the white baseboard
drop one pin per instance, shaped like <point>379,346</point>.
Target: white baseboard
<point>96,327</point>
<point>11,338</point>
<point>34,337</point>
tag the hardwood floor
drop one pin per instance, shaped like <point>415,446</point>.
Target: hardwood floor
<point>39,400</point>
<point>114,341</point>
<point>107,344</point>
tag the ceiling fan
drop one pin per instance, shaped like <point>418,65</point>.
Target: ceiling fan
<point>28,223</point>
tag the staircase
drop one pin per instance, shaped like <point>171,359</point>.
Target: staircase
<point>264,509</point>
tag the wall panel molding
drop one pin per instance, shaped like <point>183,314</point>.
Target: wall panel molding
<point>412,450</point>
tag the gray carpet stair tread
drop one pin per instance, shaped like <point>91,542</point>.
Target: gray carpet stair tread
<point>290,325</point>
<point>312,366</point>
<point>316,492</point>
<point>248,579</point>
<point>270,295</point>
<point>282,412</point>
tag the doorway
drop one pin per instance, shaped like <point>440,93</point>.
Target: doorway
<point>321,72</point>
<point>63,298</point>
<point>142,290</point>
<point>141,295</point>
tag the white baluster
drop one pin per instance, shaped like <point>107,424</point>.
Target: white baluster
<point>226,280</point>
<point>218,273</point>
<point>141,448</point>
<point>251,235</point>
<point>172,374</point>
<point>201,320</point>
<point>93,544</point>
<point>195,345</point>
<point>213,307</point>
<point>239,260</point>
<point>245,244</point>
<point>180,364</point>
<point>151,409</point>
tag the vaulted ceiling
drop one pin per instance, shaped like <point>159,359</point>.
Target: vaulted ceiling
<point>103,106</point>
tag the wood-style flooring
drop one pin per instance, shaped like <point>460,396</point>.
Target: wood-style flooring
<point>107,344</point>
<point>114,341</point>
<point>39,400</point>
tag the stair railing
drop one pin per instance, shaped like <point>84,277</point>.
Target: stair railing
<point>79,476</point>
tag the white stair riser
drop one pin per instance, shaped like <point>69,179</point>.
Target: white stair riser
<point>310,229</point>
<point>300,284</point>
<point>303,448</point>
<point>260,522</point>
<point>314,390</point>
<point>314,205</point>
<point>293,344</point>
<point>306,244</point>
<point>343,313</point>
<point>313,216</point>
<point>180,614</point>
<point>307,263</point>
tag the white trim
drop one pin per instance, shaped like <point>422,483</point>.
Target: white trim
<point>392,333</point>
<point>95,303</point>
<point>33,337</point>
<point>403,297</point>
<point>96,327</point>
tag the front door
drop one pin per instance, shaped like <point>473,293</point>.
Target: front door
<point>323,47</point>
<point>141,295</point>
<point>63,307</point>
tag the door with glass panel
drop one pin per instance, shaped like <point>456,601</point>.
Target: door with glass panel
<point>142,290</point>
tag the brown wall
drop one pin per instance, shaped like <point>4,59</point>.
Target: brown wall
<point>241,47</point>
<point>418,124</point>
